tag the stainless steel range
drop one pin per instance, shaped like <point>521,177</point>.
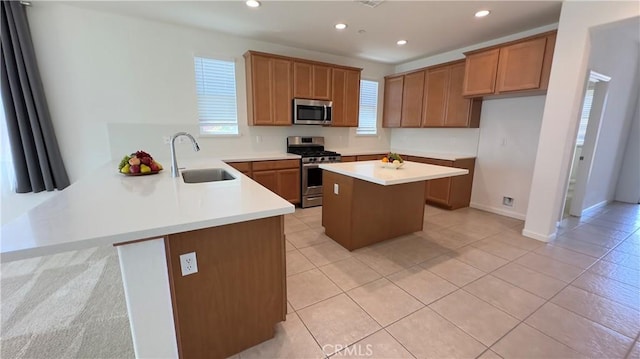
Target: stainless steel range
<point>312,151</point>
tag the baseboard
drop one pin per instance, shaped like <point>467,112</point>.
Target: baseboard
<point>499,211</point>
<point>595,206</point>
<point>538,236</point>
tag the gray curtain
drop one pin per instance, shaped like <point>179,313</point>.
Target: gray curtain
<point>34,149</point>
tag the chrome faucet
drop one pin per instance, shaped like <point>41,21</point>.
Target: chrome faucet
<point>174,163</point>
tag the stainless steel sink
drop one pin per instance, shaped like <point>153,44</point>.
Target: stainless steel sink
<point>206,175</point>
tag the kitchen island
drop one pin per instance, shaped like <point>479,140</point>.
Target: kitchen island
<point>234,227</point>
<point>365,203</point>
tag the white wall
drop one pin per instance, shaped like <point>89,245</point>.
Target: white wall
<point>628,189</point>
<point>562,106</point>
<point>501,170</point>
<point>616,56</point>
<point>116,84</point>
<point>509,131</point>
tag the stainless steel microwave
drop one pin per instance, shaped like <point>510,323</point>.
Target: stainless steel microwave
<point>311,112</point>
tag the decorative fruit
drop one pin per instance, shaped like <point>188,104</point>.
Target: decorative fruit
<point>142,154</point>
<point>146,160</point>
<point>125,168</point>
<point>145,169</point>
<point>396,162</point>
<point>394,156</point>
<point>159,165</point>
<point>124,161</point>
<point>134,161</point>
<point>139,162</point>
<point>134,169</point>
<point>385,159</point>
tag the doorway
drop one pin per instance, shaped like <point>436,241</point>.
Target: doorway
<point>593,105</point>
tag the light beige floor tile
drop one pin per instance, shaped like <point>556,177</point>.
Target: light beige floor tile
<point>422,284</point>
<point>625,227</point>
<point>630,245</point>
<point>453,270</point>
<point>509,298</point>
<point>325,253</point>
<point>477,229</point>
<point>635,351</point>
<point>308,212</point>
<point>337,323</point>
<point>489,354</point>
<point>617,272</point>
<point>380,259</point>
<point>499,249</point>
<point>601,310</point>
<point>292,340</point>
<point>566,256</point>
<point>596,235</point>
<point>289,246</point>
<point>545,265</point>
<point>526,342</point>
<point>611,289</point>
<point>289,308</point>
<point>427,335</point>
<point>479,319</point>
<point>448,239</point>
<point>307,238</point>
<point>384,301</point>
<point>312,221</point>
<point>583,247</point>
<point>529,280</point>
<point>349,273</point>
<point>478,258</point>
<point>579,333</point>
<point>378,345</point>
<point>446,219</point>
<point>292,224</point>
<point>414,249</point>
<point>308,288</point>
<point>623,259</point>
<point>517,240</point>
<point>297,263</point>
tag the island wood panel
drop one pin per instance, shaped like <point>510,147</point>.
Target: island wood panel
<point>239,292</point>
<point>364,213</point>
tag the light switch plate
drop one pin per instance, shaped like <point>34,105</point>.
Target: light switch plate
<point>336,188</point>
<point>188,263</point>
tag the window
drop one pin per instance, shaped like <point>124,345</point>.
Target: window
<point>216,90</point>
<point>368,108</point>
<point>586,111</point>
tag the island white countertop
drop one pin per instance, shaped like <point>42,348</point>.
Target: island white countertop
<point>372,171</point>
<point>108,208</point>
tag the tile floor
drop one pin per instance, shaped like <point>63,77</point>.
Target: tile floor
<point>468,286</point>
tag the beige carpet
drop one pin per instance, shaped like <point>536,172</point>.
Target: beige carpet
<point>68,305</point>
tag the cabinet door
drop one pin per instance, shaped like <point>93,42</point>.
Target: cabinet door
<point>282,92</point>
<point>520,65</point>
<point>339,105</point>
<point>392,111</point>
<point>347,158</point>
<point>439,190</point>
<point>302,80</point>
<point>269,179</point>
<point>352,98</point>
<point>321,82</point>
<point>435,97</point>
<point>458,107</point>
<point>289,184</point>
<point>480,73</point>
<point>412,96</point>
<point>262,87</point>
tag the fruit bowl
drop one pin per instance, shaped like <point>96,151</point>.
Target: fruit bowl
<point>139,163</point>
<point>392,165</point>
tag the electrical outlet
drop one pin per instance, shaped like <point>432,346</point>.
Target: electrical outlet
<point>336,188</point>
<point>188,263</point>
<point>507,201</point>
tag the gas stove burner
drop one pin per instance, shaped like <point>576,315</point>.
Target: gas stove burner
<point>313,153</point>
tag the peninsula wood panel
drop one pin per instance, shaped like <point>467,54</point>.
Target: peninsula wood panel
<point>239,292</point>
<point>364,213</point>
<point>392,105</point>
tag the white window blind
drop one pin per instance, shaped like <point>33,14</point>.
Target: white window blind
<point>368,108</point>
<point>586,110</point>
<point>216,90</point>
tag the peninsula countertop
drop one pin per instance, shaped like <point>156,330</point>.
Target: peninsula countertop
<point>372,171</point>
<point>108,208</point>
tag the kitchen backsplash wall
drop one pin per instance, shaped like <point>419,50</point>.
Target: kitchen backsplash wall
<point>436,140</point>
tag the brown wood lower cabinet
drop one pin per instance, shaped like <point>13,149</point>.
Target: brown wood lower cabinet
<point>370,157</point>
<point>452,192</point>
<point>281,177</point>
<point>239,292</point>
<point>348,158</point>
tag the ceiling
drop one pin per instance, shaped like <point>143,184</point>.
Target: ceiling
<point>430,27</point>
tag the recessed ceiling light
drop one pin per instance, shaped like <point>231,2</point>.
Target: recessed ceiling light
<point>401,42</point>
<point>341,26</point>
<point>483,13</point>
<point>252,3</point>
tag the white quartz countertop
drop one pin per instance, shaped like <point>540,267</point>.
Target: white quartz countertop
<point>373,171</point>
<point>108,207</point>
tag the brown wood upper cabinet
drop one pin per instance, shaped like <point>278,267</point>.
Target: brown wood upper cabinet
<point>518,66</point>
<point>311,81</point>
<point>345,96</point>
<point>431,97</point>
<point>269,89</point>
